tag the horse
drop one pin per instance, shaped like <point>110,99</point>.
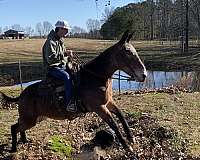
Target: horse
<point>95,92</point>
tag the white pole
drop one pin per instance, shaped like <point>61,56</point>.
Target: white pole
<point>20,75</point>
<point>119,83</point>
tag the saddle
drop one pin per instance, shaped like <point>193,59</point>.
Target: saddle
<point>51,84</point>
<point>54,88</point>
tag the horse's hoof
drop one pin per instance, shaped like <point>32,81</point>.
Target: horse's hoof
<point>13,150</point>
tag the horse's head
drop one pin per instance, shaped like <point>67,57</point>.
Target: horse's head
<point>127,59</point>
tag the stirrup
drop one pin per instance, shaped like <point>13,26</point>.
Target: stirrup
<point>71,107</point>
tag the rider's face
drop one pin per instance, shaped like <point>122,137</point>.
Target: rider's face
<point>62,32</point>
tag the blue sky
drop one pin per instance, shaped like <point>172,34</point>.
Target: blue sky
<point>30,12</point>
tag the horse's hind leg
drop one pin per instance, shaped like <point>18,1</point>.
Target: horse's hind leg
<point>14,136</point>
<point>23,137</point>
<point>21,127</point>
<point>105,114</point>
<point>113,108</point>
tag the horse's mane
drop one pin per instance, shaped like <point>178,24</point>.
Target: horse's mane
<point>100,63</point>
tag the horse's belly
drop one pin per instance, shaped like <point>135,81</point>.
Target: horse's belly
<point>63,115</point>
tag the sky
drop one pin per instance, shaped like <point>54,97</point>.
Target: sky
<point>76,12</point>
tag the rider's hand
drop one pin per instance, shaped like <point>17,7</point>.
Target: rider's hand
<point>68,53</point>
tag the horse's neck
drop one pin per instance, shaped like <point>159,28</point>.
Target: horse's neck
<point>102,65</point>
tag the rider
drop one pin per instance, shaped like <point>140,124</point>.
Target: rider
<point>56,58</point>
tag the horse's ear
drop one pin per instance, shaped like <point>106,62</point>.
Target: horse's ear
<point>129,37</point>
<point>124,37</point>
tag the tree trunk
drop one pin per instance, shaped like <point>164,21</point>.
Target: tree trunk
<point>186,28</point>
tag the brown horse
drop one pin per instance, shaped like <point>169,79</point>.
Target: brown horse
<point>95,92</point>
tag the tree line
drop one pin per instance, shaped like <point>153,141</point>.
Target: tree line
<point>155,19</point>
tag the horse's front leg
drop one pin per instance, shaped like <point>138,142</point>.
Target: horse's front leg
<point>114,109</point>
<point>105,114</point>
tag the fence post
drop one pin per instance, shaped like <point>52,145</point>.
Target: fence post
<point>119,82</point>
<point>20,75</point>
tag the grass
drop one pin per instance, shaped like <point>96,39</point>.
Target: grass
<point>180,112</point>
<point>11,91</point>
<point>24,50</point>
<point>31,49</point>
<point>153,53</point>
<point>134,114</point>
<point>59,145</point>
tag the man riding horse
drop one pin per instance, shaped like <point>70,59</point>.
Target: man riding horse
<point>57,60</point>
<point>94,89</point>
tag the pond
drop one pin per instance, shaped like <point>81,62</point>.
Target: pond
<point>155,79</point>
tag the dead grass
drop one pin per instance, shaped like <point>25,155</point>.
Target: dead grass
<point>30,49</point>
<point>154,53</point>
<point>24,50</point>
<point>178,111</point>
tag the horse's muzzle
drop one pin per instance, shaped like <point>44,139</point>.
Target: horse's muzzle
<point>144,77</point>
<point>141,78</point>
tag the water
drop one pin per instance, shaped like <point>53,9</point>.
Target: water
<point>155,79</point>
<point>27,83</point>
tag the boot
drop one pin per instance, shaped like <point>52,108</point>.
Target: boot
<point>71,106</point>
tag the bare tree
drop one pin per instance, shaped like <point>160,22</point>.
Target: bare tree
<point>108,11</point>
<point>152,19</point>
<point>5,28</point>
<point>186,27</point>
<point>39,29</point>
<point>195,12</point>
<point>47,27</point>
<point>78,30</point>
<point>93,24</point>
<point>29,30</point>
<point>17,27</point>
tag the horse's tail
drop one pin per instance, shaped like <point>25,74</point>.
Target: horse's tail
<point>8,99</point>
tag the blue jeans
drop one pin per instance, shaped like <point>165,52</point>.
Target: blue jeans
<point>60,73</point>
